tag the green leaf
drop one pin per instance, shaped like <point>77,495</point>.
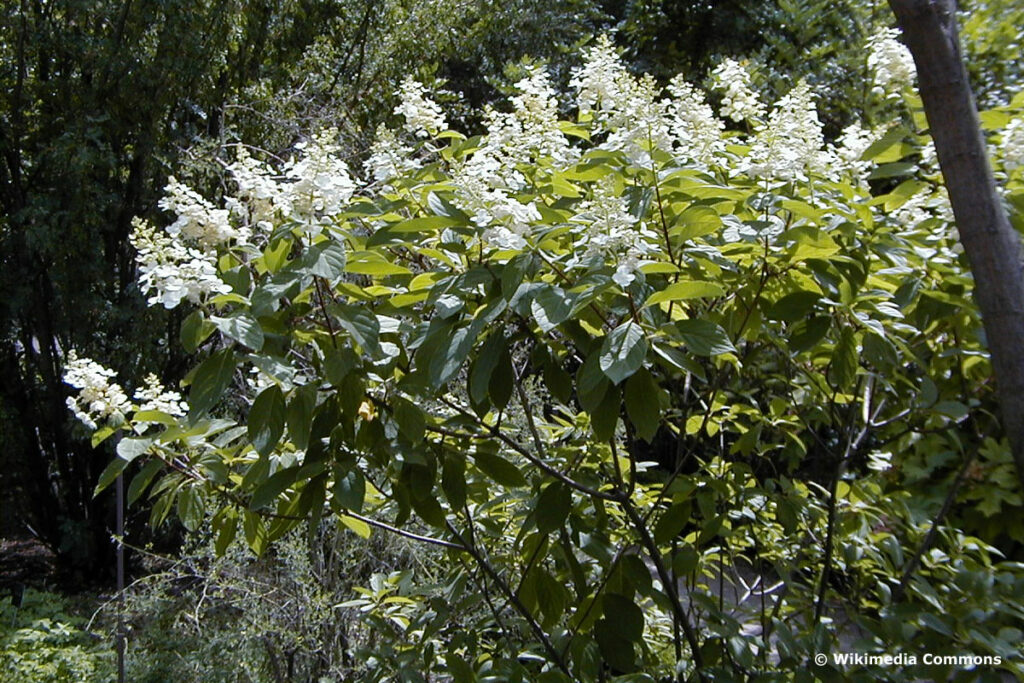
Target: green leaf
<point>369,263</point>
<point>553,506</point>
<point>557,381</point>
<point>624,616</point>
<point>299,414</point>
<point>704,338</point>
<point>892,170</point>
<point>129,449</point>
<point>325,259</point>
<point>241,327</point>
<point>425,224</point>
<point>361,324</point>
<point>109,474</point>
<point>499,469</point>
<point>642,405</point>
<point>350,490</point>
<point>605,418</point>
<point>255,531</point>
<point>190,508</point>
<point>195,329</point>
<point>483,367</point>
<point>429,510</point>
<point>843,368</point>
<point>502,381</point>
<point>361,528</point>
<point>793,307</point>
<point>623,351</point>
<point>225,524</point>
<point>267,419</point>
<point>671,523</point>
<point>591,383</point>
<point>692,289</point>
<point>453,480</point>
<point>550,306</point>
<point>696,221</point>
<point>143,479</point>
<point>210,380</point>
<point>811,244</point>
<point>409,418</point>
<point>268,491</point>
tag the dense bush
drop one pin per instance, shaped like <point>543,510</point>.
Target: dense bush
<point>663,394</point>
<point>41,641</point>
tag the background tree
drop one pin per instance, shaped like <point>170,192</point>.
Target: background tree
<point>990,242</point>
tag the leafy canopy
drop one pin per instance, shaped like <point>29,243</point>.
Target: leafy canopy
<point>653,387</point>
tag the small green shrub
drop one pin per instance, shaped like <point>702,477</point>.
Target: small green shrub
<point>42,641</point>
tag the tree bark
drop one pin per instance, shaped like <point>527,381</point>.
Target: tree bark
<point>990,243</point>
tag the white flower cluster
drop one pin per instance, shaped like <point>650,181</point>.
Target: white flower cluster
<point>172,270</point>
<point>599,82</point>
<point>197,219</point>
<point>482,191</point>
<point>739,101</point>
<point>608,229</point>
<point>530,130</point>
<point>636,119</point>
<point>890,62</point>
<point>849,148</point>
<point>315,184</point>
<point>153,396</point>
<point>318,182</point>
<point>423,116</point>
<point>698,131</point>
<point>922,205</point>
<point>1013,145</point>
<point>389,156</point>
<point>790,143</point>
<point>260,196</point>
<point>99,399</point>
<point>486,184</point>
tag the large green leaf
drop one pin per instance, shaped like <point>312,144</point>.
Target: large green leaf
<point>325,259</point>
<point>704,338</point>
<point>350,490</point>
<point>267,419</point>
<point>690,289</point>
<point>499,469</point>
<point>211,379</point>
<point>553,505</point>
<point>550,306</point>
<point>623,351</point>
<point>241,327</point>
<point>361,324</point>
<point>642,405</point>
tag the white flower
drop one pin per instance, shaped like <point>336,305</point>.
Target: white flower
<point>610,231</point>
<point>155,397</point>
<point>890,62</point>
<point>423,116</point>
<point>98,398</point>
<point>531,129</point>
<point>261,193</point>
<point>599,83</point>
<point>739,101</point>
<point>171,270</point>
<point>318,182</point>
<point>697,131</point>
<point>849,148</point>
<point>625,107</point>
<point>1013,145</point>
<point>197,219</point>
<point>790,143</point>
<point>389,157</point>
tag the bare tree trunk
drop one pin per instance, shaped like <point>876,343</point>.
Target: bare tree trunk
<point>992,247</point>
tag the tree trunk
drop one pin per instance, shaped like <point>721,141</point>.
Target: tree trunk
<point>990,243</point>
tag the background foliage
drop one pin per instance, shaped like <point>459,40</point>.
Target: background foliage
<point>770,435</point>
